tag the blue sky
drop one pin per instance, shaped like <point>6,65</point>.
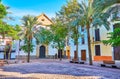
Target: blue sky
<point>20,8</point>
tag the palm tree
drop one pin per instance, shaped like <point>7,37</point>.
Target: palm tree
<point>69,20</point>
<point>4,29</point>
<point>28,23</point>
<point>75,34</point>
<point>90,14</point>
<point>93,14</point>
<point>9,31</point>
<point>114,11</point>
<point>43,36</point>
<point>3,11</point>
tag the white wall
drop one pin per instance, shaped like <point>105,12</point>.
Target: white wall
<point>22,52</point>
<point>80,46</point>
<point>51,50</point>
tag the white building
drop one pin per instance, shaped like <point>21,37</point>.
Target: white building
<point>41,50</point>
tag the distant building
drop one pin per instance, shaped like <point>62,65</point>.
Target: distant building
<point>41,50</point>
<point>3,43</point>
<point>5,40</point>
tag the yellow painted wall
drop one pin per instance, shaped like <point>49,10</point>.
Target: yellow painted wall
<point>105,50</point>
<point>44,20</point>
<point>37,51</point>
<point>68,53</point>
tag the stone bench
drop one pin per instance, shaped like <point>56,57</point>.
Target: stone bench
<point>109,64</point>
<point>76,61</point>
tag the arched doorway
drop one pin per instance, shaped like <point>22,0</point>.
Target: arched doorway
<point>42,52</point>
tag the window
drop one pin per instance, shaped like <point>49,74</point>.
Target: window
<point>97,50</point>
<point>83,40</point>
<point>97,35</point>
<point>68,50</point>
<point>42,19</point>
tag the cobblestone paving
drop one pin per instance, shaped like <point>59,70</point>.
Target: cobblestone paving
<point>61,69</point>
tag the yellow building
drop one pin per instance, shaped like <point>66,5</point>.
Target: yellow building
<point>100,51</point>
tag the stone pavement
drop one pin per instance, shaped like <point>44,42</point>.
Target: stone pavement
<point>55,69</point>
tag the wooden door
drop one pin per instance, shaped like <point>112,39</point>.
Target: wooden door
<point>117,53</point>
<point>68,54</point>
<point>42,52</point>
<point>97,50</point>
<point>83,55</point>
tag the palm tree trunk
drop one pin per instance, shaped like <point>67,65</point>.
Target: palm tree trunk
<point>77,51</point>
<point>77,43</point>
<point>89,45</point>
<point>28,58</point>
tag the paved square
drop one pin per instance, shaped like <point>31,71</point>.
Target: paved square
<point>55,69</point>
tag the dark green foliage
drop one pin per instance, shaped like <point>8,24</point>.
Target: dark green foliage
<point>44,36</point>
<point>8,30</point>
<point>56,35</point>
<point>27,47</point>
<point>59,32</point>
<point>113,37</point>
<point>3,11</point>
